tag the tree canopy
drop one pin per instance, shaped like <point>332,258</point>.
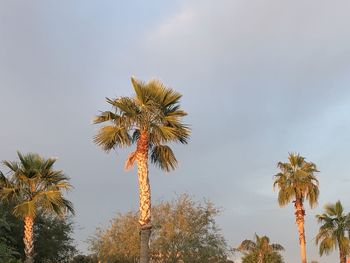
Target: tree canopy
<point>53,236</point>
<point>183,230</point>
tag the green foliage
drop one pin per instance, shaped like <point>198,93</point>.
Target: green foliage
<point>154,109</point>
<point>297,180</point>
<point>84,259</point>
<point>334,231</point>
<point>33,185</point>
<point>34,189</point>
<point>52,237</point>
<point>260,251</point>
<point>8,237</point>
<point>183,230</point>
<point>120,242</point>
<point>270,258</point>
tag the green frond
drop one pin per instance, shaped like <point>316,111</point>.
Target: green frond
<point>33,185</point>
<point>297,180</point>
<point>327,245</point>
<point>261,247</point>
<point>277,247</point>
<point>128,107</point>
<point>26,208</point>
<point>174,111</point>
<point>285,196</point>
<point>68,206</point>
<point>110,137</point>
<point>105,116</point>
<point>164,134</point>
<point>9,193</point>
<point>154,108</point>
<point>141,93</point>
<point>163,95</point>
<point>163,156</point>
<point>333,232</point>
<point>247,246</point>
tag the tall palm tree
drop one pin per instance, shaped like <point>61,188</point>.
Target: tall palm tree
<point>149,119</point>
<point>33,186</point>
<point>334,231</point>
<point>297,182</point>
<point>260,251</point>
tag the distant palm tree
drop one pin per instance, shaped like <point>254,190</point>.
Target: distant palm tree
<point>34,186</point>
<point>334,231</point>
<point>260,251</point>
<point>297,182</point>
<point>149,119</point>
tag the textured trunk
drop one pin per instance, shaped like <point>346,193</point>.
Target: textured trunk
<point>299,215</point>
<point>144,195</point>
<point>342,257</point>
<point>144,248</point>
<point>28,239</point>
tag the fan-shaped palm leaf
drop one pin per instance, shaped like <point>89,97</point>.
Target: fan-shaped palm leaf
<point>334,231</point>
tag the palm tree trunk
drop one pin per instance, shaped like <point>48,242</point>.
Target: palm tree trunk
<point>342,256</point>
<point>28,239</point>
<point>299,215</point>
<point>144,195</point>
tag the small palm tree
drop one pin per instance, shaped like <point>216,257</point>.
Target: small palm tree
<point>149,119</point>
<point>297,182</point>
<point>260,251</point>
<point>33,186</point>
<point>334,231</point>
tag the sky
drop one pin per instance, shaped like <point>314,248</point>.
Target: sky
<point>259,79</point>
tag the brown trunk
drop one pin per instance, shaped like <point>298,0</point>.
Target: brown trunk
<point>342,257</point>
<point>28,239</point>
<point>144,248</point>
<point>144,195</point>
<point>299,215</point>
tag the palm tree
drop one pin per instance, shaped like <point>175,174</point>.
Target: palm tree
<point>149,119</point>
<point>260,251</point>
<point>334,231</point>
<point>32,187</point>
<point>297,182</point>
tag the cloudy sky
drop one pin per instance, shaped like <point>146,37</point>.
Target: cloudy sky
<point>259,79</point>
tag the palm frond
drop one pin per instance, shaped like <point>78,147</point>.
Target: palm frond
<point>297,179</point>
<point>32,184</point>
<point>26,208</point>
<point>127,106</point>
<point>155,109</point>
<point>111,136</point>
<point>247,246</point>
<point>105,116</point>
<point>333,232</point>
<point>163,156</point>
<point>129,163</point>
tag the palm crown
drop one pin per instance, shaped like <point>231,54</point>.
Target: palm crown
<point>260,250</point>
<point>154,113</point>
<point>262,244</point>
<point>297,180</point>
<point>334,229</point>
<point>33,185</point>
